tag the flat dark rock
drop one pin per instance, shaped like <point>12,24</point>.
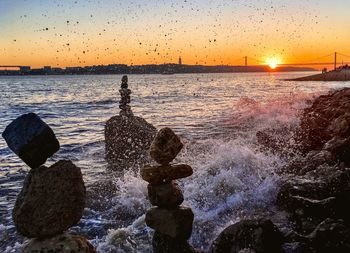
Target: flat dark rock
<point>51,200</point>
<point>165,173</point>
<point>31,139</point>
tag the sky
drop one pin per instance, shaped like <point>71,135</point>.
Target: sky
<point>210,32</point>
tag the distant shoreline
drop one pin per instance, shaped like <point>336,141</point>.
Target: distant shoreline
<point>165,69</point>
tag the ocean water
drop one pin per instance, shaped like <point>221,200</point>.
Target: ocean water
<point>217,117</point>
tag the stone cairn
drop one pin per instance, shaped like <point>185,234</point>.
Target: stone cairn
<point>127,137</point>
<point>52,198</point>
<point>172,223</point>
<point>125,108</point>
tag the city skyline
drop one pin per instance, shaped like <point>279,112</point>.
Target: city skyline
<point>81,33</point>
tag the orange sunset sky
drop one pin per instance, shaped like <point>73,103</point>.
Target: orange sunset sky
<point>79,33</point>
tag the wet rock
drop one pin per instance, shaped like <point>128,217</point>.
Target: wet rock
<point>176,223</point>
<point>125,109</point>
<point>331,236</point>
<point>165,244</point>
<point>51,200</point>
<point>165,146</point>
<point>340,147</point>
<point>328,118</point>
<point>31,139</point>
<point>124,84</point>
<point>165,173</point>
<point>312,161</point>
<point>320,194</point>
<point>59,244</point>
<point>297,247</point>
<point>165,195</point>
<point>260,236</point>
<point>127,141</point>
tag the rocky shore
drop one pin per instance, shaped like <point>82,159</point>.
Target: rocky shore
<point>315,191</point>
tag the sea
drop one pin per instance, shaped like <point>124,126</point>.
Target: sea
<point>217,117</point>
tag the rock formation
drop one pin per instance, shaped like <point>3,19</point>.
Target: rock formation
<point>125,109</point>
<point>52,198</point>
<point>127,137</point>
<point>258,236</point>
<point>172,223</point>
<point>317,191</point>
<point>326,125</point>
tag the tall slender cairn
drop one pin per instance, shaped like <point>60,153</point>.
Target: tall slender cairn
<point>127,137</point>
<point>125,108</point>
<point>171,221</point>
<point>52,198</point>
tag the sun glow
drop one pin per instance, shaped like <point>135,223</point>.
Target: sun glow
<point>273,62</point>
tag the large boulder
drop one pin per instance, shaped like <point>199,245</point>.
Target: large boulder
<point>31,139</point>
<point>51,200</point>
<point>128,140</point>
<point>63,243</point>
<point>258,236</point>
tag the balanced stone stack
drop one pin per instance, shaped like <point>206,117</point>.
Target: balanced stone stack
<point>52,198</point>
<point>172,223</point>
<point>125,109</point>
<point>127,137</point>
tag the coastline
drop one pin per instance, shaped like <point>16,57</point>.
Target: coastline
<point>335,75</point>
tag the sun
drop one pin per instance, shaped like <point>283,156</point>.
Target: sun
<point>273,62</point>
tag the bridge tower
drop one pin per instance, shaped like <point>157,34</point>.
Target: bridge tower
<point>335,60</point>
<point>246,61</point>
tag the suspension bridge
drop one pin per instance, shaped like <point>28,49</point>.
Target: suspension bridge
<point>335,59</point>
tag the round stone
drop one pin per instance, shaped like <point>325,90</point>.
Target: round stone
<point>51,201</point>
<point>165,146</point>
<point>166,195</point>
